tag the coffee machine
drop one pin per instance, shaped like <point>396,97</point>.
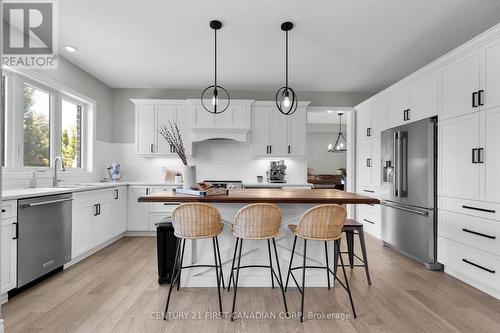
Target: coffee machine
<point>276,172</point>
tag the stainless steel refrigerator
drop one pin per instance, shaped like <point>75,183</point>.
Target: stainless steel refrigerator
<point>409,214</point>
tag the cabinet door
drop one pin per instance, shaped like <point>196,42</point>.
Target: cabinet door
<point>424,98</point>
<point>102,229</point>
<point>8,265</point>
<point>364,159</point>
<point>375,162</point>
<point>363,118</point>
<point>165,115</point>
<point>398,102</point>
<point>145,138</point>
<point>379,117</point>
<point>459,80</point>
<point>297,133</point>
<point>119,210</point>
<point>203,118</point>
<point>490,156</point>
<point>260,130</point>
<point>458,175</point>
<point>81,228</point>
<point>490,74</point>
<point>138,212</point>
<point>278,133</point>
<point>184,118</point>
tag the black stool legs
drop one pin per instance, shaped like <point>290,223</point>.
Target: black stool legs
<point>177,268</point>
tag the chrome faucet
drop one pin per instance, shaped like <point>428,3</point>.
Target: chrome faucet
<point>55,179</point>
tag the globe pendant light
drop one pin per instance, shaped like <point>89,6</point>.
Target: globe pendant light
<point>341,143</point>
<point>286,99</point>
<point>215,99</point>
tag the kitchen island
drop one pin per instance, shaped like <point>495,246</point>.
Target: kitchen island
<point>293,203</point>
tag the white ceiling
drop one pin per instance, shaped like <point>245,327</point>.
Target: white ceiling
<point>342,45</point>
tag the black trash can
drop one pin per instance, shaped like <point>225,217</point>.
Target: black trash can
<point>166,244</point>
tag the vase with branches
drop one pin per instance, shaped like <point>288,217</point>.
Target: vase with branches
<point>172,135</point>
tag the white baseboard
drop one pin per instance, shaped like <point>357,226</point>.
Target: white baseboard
<point>140,234</point>
<point>94,250</point>
<point>4,298</point>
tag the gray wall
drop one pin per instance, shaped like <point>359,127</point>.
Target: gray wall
<point>124,117</point>
<point>318,157</point>
<point>80,81</point>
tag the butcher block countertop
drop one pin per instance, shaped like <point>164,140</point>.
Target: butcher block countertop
<point>277,196</point>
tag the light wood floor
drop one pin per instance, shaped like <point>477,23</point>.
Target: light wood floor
<point>116,290</point>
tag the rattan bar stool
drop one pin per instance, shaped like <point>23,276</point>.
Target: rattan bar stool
<point>256,222</point>
<point>320,223</point>
<point>196,221</point>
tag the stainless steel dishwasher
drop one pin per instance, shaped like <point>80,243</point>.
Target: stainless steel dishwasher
<point>44,236</point>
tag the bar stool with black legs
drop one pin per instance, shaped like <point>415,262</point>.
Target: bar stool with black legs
<point>321,223</point>
<point>256,222</point>
<point>196,221</point>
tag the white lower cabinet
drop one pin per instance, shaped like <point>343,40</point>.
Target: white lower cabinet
<point>120,217</point>
<point>370,217</point>
<point>138,213</point>
<point>8,255</point>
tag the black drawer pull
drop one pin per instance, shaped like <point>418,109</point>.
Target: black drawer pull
<point>478,233</point>
<point>479,209</point>
<point>478,266</point>
<point>369,191</point>
<point>3,210</point>
<point>474,104</point>
<point>371,222</point>
<point>480,97</point>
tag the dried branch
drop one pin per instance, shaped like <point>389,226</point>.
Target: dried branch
<point>172,135</point>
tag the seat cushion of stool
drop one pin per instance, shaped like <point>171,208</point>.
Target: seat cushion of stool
<point>352,223</point>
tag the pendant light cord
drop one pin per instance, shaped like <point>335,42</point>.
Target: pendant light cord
<point>286,59</point>
<point>215,60</point>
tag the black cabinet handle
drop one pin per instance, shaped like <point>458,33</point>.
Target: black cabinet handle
<point>270,149</point>
<point>478,233</point>
<point>289,149</point>
<point>147,191</point>
<point>116,194</point>
<point>479,266</point>
<point>99,207</point>
<point>3,210</point>
<point>474,95</point>
<point>369,191</point>
<point>474,156</point>
<point>480,155</point>
<point>17,230</point>
<point>479,209</point>
<point>480,97</point>
<point>369,131</point>
<point>95,210</point>
<point>152,148</point>
<point>406,115</point>
<point>371,222</point>
<point>369,162</point>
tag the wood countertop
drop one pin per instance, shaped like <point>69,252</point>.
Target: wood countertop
<point>276,196</point>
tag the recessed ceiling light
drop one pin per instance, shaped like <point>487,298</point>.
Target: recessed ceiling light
<point>70,48</point>
<point>329,111</point>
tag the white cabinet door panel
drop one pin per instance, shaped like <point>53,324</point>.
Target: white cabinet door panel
<point>363,116</point>
<point>490,156</point>
<point>278,133</point>
<point>491,75</point>
<point>458,176</point>
<point>145,129</point>
<point>375,162</point>
<point>459,80</point>
<point>8,264</point>
<point>379,110</point>
<point>260,130</point>
<point>297,132</point>
<point>424,98</point>
<point>364,171</point>
<point>165,115</point>
<point>120,210</point>
<point>102,229</point>
<point>81,230</point>
<point>138,212</point>
<point>398,102</point>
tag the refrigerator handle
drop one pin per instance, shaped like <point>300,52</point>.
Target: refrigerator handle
<point>403,156</point>
<point>396,164</point>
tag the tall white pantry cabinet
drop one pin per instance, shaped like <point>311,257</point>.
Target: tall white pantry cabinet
<point>463,89</point>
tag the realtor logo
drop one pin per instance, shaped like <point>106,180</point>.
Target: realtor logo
<point>29,34</point>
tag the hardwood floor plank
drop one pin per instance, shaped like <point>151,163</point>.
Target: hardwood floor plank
<point>116,290</point>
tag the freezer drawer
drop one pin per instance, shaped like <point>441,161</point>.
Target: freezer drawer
<point>411,231</point>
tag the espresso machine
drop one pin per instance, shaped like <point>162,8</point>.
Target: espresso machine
<point>276,172</point>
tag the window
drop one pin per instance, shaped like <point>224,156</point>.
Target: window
<point>2,130</point>
<point>71,136</point>
<point>36,129</point>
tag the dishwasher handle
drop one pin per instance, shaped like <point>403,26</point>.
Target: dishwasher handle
<point>28,205</point>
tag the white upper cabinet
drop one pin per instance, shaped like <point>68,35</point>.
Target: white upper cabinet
<point>490,75</point>
<point>489,158</point>
<point>369,163</point>
<point>399,103</point>
<point>277,135</point>
<point>364,119</point>
<point>145,137</point>
<point>458,168</point>
<point>423,98</point>
<point>371,119</point>
<point>237,115</point>
<point>460,86</point>
<point>150,115</point>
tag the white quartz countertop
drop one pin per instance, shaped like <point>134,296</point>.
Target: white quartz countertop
<point>277,185</point>
<point>22,193</point>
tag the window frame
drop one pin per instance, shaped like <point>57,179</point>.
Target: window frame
<point>14,161</point>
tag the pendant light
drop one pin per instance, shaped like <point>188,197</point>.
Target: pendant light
<point>286,99</point>
<point>215,99</point>
<point>340,145</point>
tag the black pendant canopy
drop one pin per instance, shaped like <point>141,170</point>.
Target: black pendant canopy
<point>286,99</point>
<point>341,143</point>
<point>215,99</point>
